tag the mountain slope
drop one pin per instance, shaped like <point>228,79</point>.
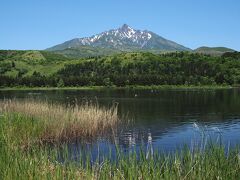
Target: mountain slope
<point>86,51</point>
<point>213,50</point>
<point>124,38</point>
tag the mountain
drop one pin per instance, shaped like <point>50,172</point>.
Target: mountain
<point>213,50</point>
<point>124,38</point>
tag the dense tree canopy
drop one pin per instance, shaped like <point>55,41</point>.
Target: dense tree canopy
<point>180,68</point>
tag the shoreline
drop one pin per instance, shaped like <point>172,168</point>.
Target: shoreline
<point>137,87</point>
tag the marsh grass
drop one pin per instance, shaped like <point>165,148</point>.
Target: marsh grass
<point>54,123</point>
<point>23,122</point>
<point>42,163</point>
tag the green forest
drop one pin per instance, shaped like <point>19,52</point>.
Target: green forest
<point>48,69</point>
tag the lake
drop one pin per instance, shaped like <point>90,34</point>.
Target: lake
<point>164,119</point>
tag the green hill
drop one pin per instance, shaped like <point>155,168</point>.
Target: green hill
<point>218,51</point>
<point>25,63</point>
<point>86,51</point>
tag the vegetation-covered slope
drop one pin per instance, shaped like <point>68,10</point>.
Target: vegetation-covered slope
<point>37,68</point>
<point>24,63</point>
<point>86,51</point>
<point>217,51</point>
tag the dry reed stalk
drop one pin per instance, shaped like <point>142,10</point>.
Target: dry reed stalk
<point>65,123</point>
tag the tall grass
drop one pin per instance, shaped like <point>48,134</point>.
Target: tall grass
<point>56,123</point>
<point>23,122</point>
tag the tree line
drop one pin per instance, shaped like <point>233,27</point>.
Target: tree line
<point>182,68</point>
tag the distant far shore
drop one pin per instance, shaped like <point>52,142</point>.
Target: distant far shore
<point>154,87</point>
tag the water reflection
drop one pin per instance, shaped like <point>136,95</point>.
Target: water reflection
<point>149,152</point>
<point>163,119</point>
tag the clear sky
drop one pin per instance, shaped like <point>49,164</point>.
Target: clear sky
<point>39,24</point>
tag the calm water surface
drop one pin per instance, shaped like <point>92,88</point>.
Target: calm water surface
<point>164,119</point>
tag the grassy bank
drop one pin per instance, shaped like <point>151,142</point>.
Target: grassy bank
<point>27,122</point>
<point>126,87</point>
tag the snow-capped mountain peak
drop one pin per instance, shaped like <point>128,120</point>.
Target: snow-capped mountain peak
<point>125,29</point>
<point>123,38</point>
<point>116,37</point>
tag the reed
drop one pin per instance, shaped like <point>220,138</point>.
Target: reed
<point>56,123</point>
<point>25,121</point>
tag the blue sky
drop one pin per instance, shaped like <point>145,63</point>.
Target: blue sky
<point>38,24</point>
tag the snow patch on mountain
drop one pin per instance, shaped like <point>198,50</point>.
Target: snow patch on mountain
<point>124,32</point>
